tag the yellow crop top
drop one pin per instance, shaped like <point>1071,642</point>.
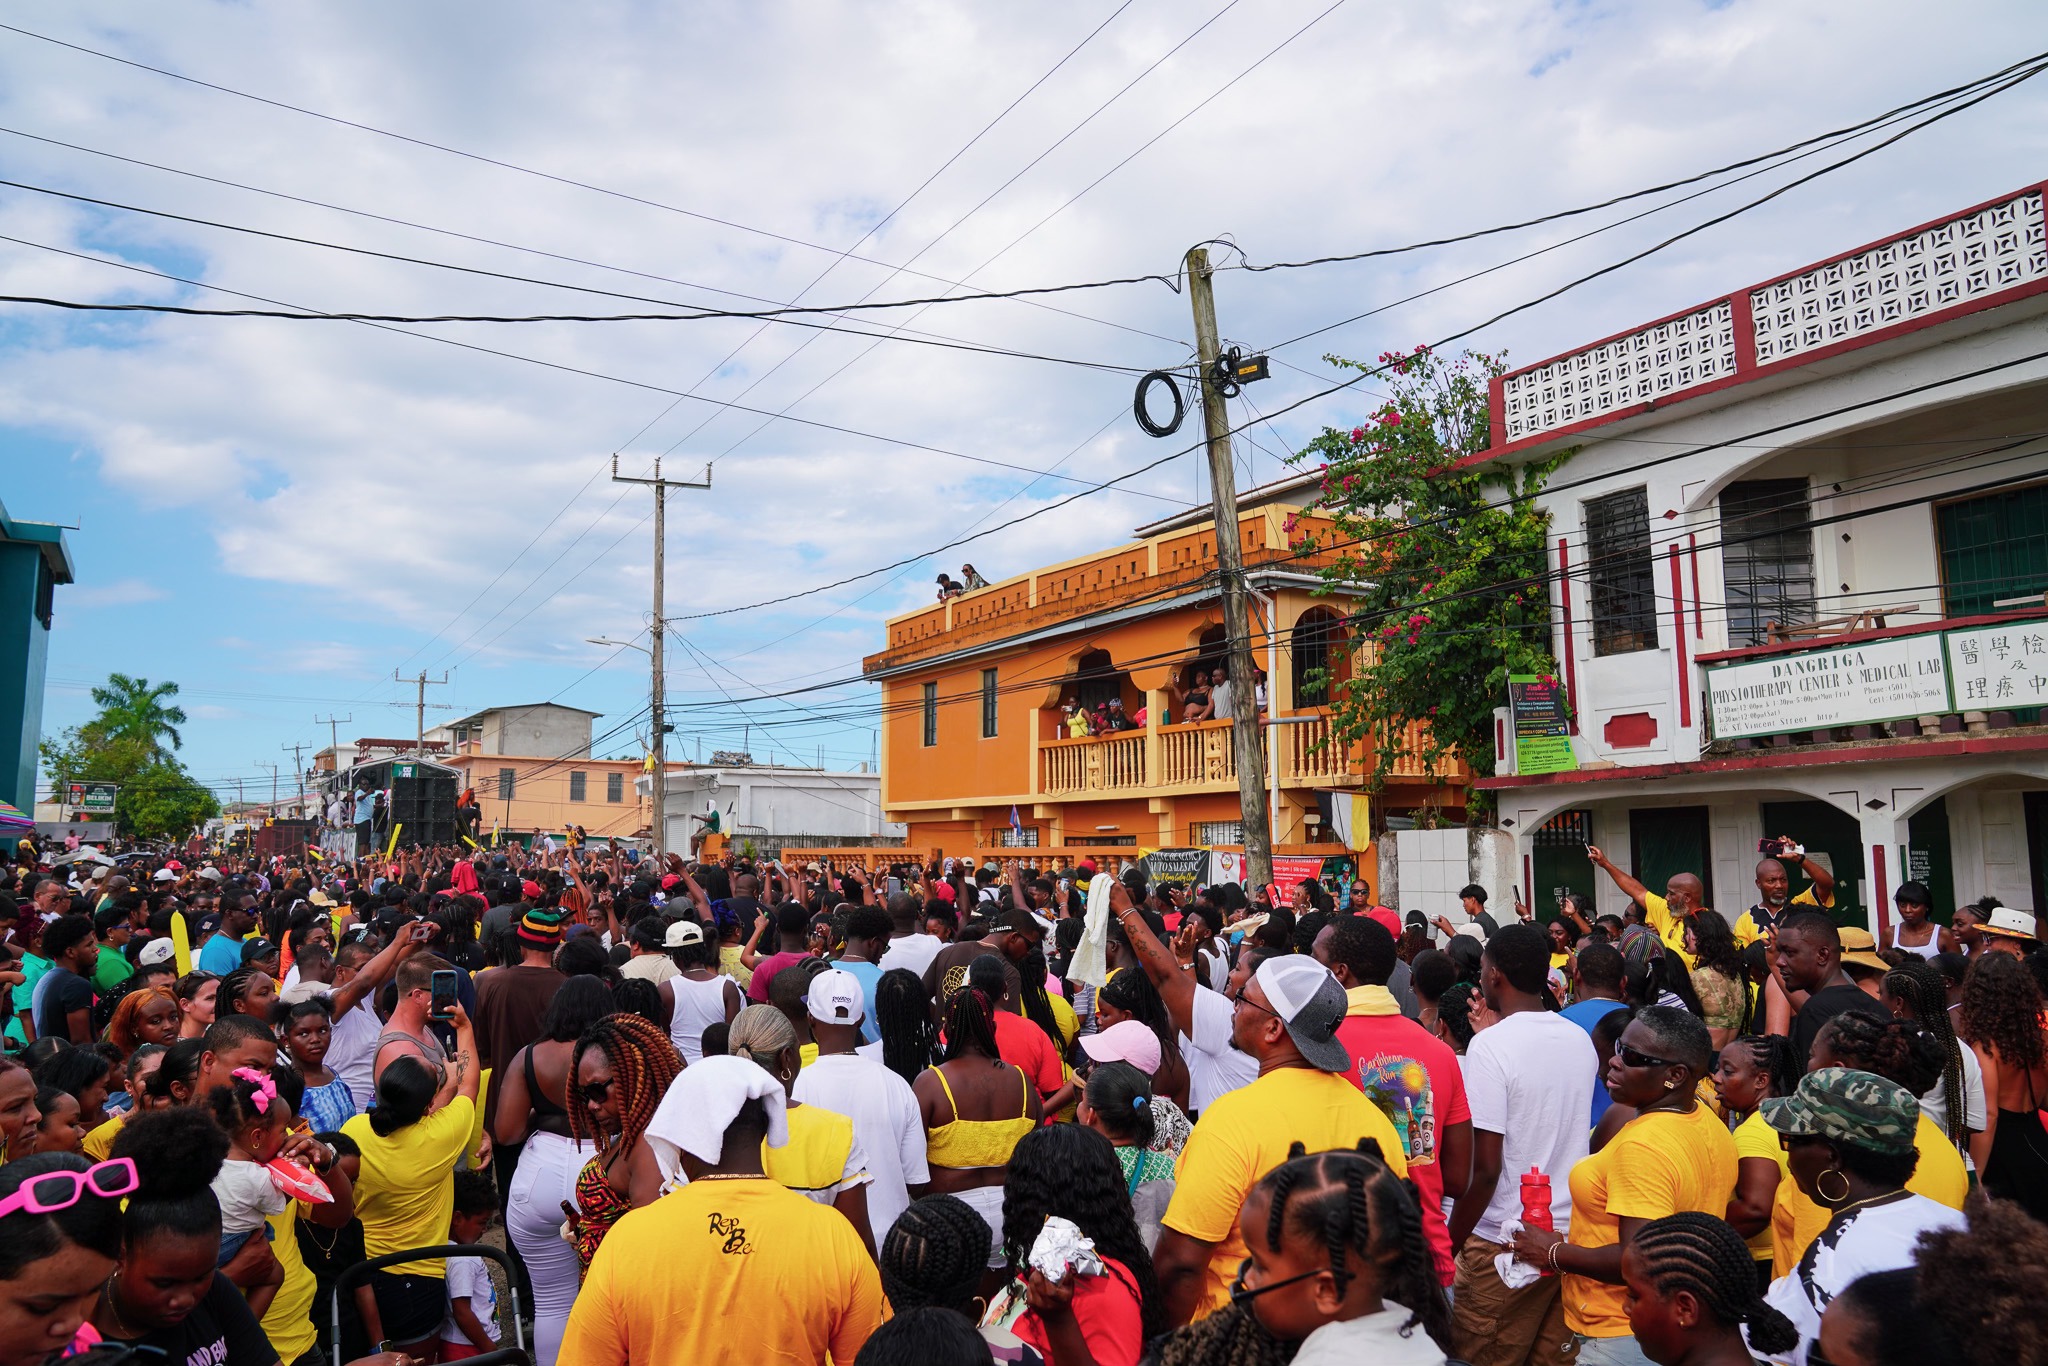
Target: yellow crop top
<point>964,1143</point>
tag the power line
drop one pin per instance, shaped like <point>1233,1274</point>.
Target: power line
<point>549,364</point>
<point>1650,190</point>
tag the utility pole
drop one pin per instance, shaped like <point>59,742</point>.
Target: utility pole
<point>299,783</point>
<point>334,724</point>
<point>419,740</point>
<point>1244,705</point>
<point>659,785</point>
<point>273,788</point>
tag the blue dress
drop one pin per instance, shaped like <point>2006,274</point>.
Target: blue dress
<point>328,1107</point>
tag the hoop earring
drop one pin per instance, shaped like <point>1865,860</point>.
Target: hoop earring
<point>1822,1190</point>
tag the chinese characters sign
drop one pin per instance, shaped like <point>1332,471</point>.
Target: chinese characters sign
<point>1998,668</point>
<point>1853,685</point>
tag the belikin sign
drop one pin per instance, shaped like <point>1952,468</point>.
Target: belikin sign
<point>1855,685</point>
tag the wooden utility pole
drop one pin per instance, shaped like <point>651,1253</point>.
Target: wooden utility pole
<point>299,781</point>
<point>659,783</point>
<point>334,724</point>
<point>1244,684</point>
<point>419,737</point>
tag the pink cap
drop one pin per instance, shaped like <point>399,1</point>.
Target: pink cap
<point>1125,1041</point>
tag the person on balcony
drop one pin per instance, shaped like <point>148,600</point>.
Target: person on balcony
<point>948,588</point>
<point>1221,694</point>
<point>1076,719</point>
<point>1113,719</point>
<point>972,579</point>
<point>1193,704</point>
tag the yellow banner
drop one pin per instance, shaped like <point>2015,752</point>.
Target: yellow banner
<point>392,847</point>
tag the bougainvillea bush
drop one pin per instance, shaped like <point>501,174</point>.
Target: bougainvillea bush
<point>1442,563</point>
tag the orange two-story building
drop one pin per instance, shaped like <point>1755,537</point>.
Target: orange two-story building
<point>973,687</point>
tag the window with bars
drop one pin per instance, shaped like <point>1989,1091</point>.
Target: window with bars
<point>1618,572</point>
<point>1766,557</point>
<point>615,787</point>
<point>1994,550</point>
<point>1024,837</point>
<point>931,714</point>
<point>1219,832</point>
<point>507,782</point>
<point>579,787</point>
<point>988,704</point>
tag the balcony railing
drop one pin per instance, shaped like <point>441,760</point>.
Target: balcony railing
<point>1200,757</point>
<point>1109,763</point>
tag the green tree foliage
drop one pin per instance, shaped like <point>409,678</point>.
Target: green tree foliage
<point>1447,592</point>
<point>124,744</point>
<point>132,710</point>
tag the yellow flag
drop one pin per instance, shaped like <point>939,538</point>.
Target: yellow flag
<point>181,943</point>
<point>390,848</point>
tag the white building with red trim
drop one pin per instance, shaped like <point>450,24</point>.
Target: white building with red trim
<point>1799,561</point>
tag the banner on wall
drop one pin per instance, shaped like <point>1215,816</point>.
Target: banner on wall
<point>1225,867</point>
<point>1543,729</point>
<point>1174,867</point>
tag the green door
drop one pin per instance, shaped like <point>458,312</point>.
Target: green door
<point>1558,863</point>
<point>1927,857</point>
<point>1830,832</point>
<point>1667,840</point>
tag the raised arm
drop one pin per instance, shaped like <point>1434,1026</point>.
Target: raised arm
<point>1630,888</point>
<point>378,970</point>
<point>1176,985</point>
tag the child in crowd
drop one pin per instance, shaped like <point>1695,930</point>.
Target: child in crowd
<point>256,1119</point>
<point>60,1130</point>
<point>471,1328</point>
<point>1338,1264</point>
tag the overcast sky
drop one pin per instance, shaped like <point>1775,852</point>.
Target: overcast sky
<point>279,514</point>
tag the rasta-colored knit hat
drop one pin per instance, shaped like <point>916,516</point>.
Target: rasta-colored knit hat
<point>541,928</point>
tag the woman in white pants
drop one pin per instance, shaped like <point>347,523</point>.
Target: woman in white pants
<point>530,1111</point>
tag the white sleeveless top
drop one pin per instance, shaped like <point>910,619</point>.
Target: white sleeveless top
<point>1927,950</point>
<point>698,1006</point>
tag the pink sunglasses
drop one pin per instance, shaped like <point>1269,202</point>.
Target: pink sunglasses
<point>53,1191</point>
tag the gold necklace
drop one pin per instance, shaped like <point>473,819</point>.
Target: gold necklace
<point>731,1176</point>
<point>1841,1210</point>
<point>113,1307</point>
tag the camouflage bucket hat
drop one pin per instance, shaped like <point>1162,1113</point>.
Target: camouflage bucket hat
<point>1845,1106</point>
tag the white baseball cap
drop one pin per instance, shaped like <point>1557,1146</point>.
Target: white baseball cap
<point>836,997</point>
<point>157,951</point>
<point>681,933</point>
<point>164,875</point>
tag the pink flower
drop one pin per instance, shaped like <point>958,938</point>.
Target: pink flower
<point>1358,433</point>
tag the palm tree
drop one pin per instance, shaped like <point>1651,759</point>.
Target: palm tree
<point>131,709</point>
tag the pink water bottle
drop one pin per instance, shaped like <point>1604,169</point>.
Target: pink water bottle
<point>1536,1202</point>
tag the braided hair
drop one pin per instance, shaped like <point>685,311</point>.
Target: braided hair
<point>1229,1337</point>
<point>934,1254</point>
<point>1073,1172</point>
<point>1353,1204</point>
<point>1038,1005</point>
<point>1701,1254</point>
<point>235,986</point>
<point>1772,1055</point>
<point>1921,989</point>
<point>971,1025</point>
<point>643,1063</point>
<point>903,1017</point>
<point>1903,1054</point>
<point>1134,994</point>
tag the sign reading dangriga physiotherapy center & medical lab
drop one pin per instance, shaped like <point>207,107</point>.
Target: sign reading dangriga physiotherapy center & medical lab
<point>1543,729</point>
<point>1851,685</point>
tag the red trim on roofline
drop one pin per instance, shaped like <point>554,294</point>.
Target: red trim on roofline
<point>1746,369</point>
<point>1872,751</point>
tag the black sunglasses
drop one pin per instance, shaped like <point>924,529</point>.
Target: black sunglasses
<point>1631,1058</point>
<point>596,1092</point>
<point>1240,1295</point>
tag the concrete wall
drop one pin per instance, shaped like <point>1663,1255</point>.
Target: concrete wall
<point>1424,870</point>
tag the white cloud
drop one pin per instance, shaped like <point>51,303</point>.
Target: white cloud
<point>87,597</point>
<point>375,484</point>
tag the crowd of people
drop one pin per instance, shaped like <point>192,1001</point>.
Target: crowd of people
<point>753,1112</point>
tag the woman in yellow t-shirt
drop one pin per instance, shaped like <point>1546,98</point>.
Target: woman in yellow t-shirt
<point>405,1186</point>
<point>1905,1056</point>
<point>1675,1155</point>
<point>823,1158</point>
<point>1750,1071</point>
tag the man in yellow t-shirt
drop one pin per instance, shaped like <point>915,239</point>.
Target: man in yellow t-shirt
<point>733,1269</point>
<point>1774,891</point>
<point>1286,1017</point>
<point>1684,897</point>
